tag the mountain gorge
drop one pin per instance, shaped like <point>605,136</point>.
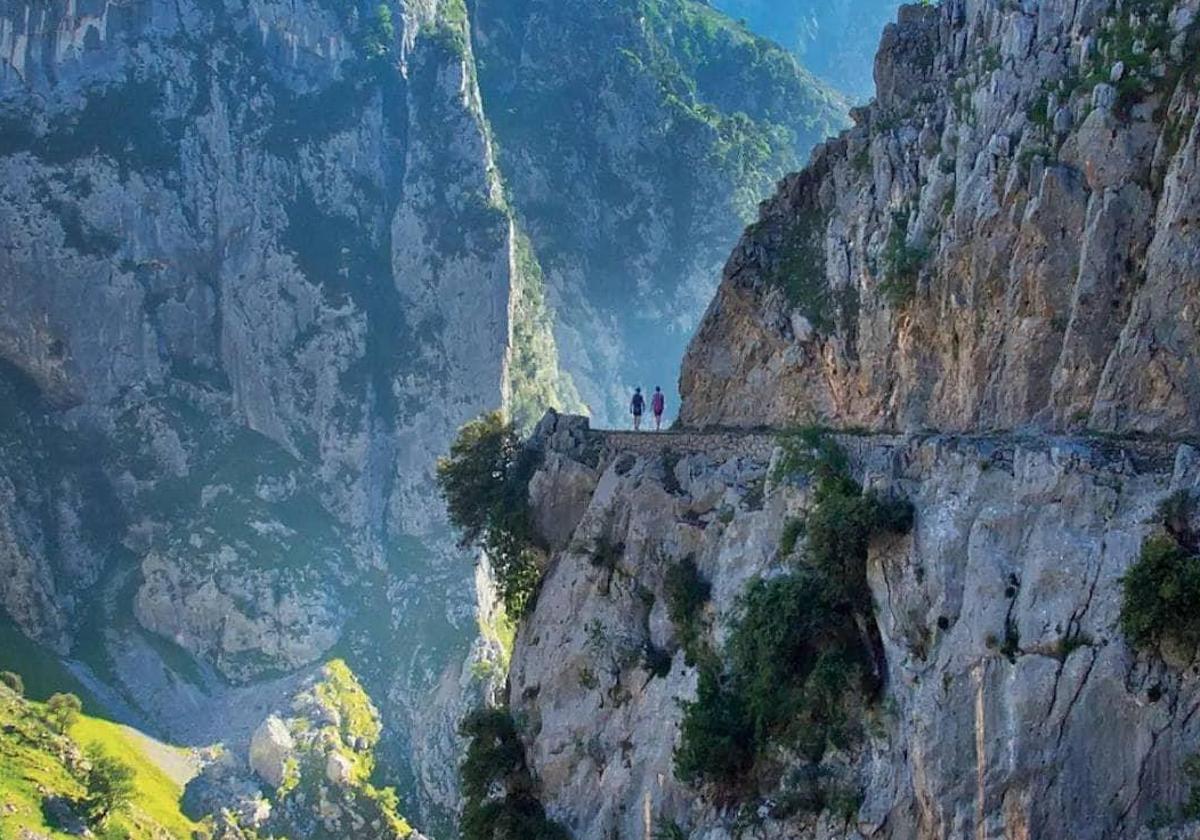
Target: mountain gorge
<point>918,559</point>
<point>834,38</point>
<point>261,260</point>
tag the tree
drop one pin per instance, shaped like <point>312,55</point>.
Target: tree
<point>109,783</point>
<point>62,710</point>
<point>485,482</point>
<point>13,681</point>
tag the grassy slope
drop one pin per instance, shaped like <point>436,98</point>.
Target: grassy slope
<point>33,758</point>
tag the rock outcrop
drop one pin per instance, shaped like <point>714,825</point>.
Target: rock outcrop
<point>1004,240</point>
<point>316,757</point>
<point>257,268</point>
<point>1013,707</point>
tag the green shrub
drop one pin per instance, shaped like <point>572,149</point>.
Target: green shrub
<point>1191,770</point>
<point>793,530</point>
<point>378,36</point>
<point>800,664</point>
<point>793,659</point>
<point>901,264</point>
<point>716,739</point>
<point>809,451</point>
<point>1161,595</point>
<point>840,527</point>
<point>499,794</point>
<point>13,681</point>
<point>669,830</point>
<point>485,482</point>
<point>687,592</point>
<point>109,784</point>
<point>62,710</point>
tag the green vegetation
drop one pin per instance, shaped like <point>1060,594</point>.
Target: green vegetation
<point>535,378</point>
<point>669,830</point>
<point>901,263</point>
<point>97,774</point>
<point>687,593</point>
<point>800,270</point>
<point>800,668</point>
<point>1161,591</point>
<point>62,710</point>
<point>108,785</point>
<point>793,530</point>
<point>13,682</point>
<point>1162,595</point>
<point>809,452</point>
<point>378,36</point>
<point>485,482</point>
<point>499,794</point>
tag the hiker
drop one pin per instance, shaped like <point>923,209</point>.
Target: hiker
<point>657,403</point>
<point>636,406</point>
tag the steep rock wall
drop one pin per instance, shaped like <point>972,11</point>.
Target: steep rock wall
<point>257,265</point>
<point>1005,239</point>
<point>990,725</point>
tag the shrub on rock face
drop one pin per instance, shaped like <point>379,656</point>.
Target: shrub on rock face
<point>715,742</point>
<point>800,664</point>
<point>499,795</point>
<point>686,593</point>
<point>485,482</point>
<point>1161,598</point>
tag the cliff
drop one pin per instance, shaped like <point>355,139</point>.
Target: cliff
<point>1012,706</point>
<point>243,247</point>
<point>1003,240</point>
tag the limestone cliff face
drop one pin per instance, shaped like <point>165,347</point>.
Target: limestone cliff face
<point>1005,239</point>
<point>258,261</point>
<point>256,269</point>
<point>990,725</point>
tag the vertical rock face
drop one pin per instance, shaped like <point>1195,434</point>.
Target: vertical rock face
<point>636,139</point>
<point>256,269</point>
<point>1001,241</point>
<point>1013,707</point>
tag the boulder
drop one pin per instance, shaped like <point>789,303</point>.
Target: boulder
<point>270,749</point>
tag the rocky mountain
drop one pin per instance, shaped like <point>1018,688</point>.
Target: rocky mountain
<point>260,260</point>
<point>1002,241</point>
<point>233,249</point>
<point>920,561</point>
<point>836,39</point>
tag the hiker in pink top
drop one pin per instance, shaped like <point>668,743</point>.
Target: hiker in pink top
<point>657,403</point>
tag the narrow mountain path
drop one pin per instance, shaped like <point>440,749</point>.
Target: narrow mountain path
<point>759,443</point>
